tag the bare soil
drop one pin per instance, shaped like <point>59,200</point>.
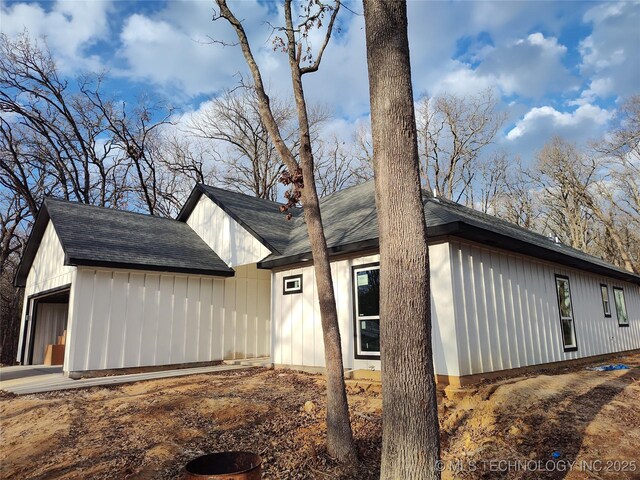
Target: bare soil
<point>539,424</point>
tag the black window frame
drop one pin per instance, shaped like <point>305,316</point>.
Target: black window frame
<point>289,278</point>
<point>573,348</point>
<point>606,288</point>
<point>624,302</point>
<point>360,356</point>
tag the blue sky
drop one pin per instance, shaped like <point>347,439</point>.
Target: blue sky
<point>558,67</point>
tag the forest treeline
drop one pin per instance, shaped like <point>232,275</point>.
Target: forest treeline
<point>73,139</point>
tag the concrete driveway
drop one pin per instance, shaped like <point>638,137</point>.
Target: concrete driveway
<point>15,379</point>
<point>27,371</point>
<point>23,380</point>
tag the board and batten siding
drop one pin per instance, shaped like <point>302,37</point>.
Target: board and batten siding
<point>297,331</point>
<point>47,272</point>
<point>124,319</point>
<point>230,240</point>
<point>507,313</point>
<point>247,313</point>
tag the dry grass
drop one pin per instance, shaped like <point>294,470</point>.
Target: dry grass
<point>150,429</point>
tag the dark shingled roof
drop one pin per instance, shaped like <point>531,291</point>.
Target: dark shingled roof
<point>349,217</point>
<point>96,236</point>
<point>262,218</point>
<point>351,224</point>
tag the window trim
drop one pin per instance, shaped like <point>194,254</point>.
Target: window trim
<point>289,278</point>
<point>624,302</point>
<point>573,348</point>
<point>606,288</point>
<point>368,355</point>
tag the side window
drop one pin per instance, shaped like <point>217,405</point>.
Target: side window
<point>366,280</point>
<point>292,284</point>
<point>566,314</point>
<point>606,305</point>
<point>621,307</point>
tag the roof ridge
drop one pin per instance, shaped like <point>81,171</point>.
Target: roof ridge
<point>111,209</point>
<point>234,192</point>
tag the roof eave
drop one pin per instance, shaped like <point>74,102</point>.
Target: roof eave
<point>433,233</point>
<point>190,204</point>
<point>83,262</point>
<point>504,242</point>
<point>33,244</point>
<point>480,235</point>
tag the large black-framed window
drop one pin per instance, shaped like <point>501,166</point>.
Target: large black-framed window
<point>565,308</point>
<point>621,307</point>
<point>366,306</point>
<point>606,304</point>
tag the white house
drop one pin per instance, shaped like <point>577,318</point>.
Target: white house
<point>232,278</point>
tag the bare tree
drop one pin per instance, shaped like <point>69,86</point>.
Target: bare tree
<point>81,146</point>
<point>251,161</point>
<point>337,166</point>
<point>453,132</point>
<point>13,212</point>
<point>132,135</point>
<point>182,161</point>
<point>519,202</point>
<point>301,175</point>
<point>620,153</point>
<point>52,129</point>
<point>561,175</point>
<point>362,163</point>
<point>491,184</point>
<point>577,191</point>
<point>410,431</point>
<point>68,140</point>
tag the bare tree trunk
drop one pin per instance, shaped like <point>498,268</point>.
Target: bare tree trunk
<point>339,435</point>
<point>410,433</point>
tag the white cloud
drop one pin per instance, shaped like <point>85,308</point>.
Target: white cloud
<point>540,124</point>
<point>548,118</point>
<point>456,47</point>
<point>175,49</point>
<point>530,67</point>
<point>462,80</point>
<point>610,53</point>
<point>70,29</point>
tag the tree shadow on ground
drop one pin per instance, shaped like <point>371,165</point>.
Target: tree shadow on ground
<point>558,424</point>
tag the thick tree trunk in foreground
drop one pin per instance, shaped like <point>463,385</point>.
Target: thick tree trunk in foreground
<point>339,435</point>
<point>410,435</point>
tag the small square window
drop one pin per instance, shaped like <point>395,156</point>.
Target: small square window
<point>292,284</point>
<point>606,305</point>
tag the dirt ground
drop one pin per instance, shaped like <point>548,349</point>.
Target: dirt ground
<point>571,423</point>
